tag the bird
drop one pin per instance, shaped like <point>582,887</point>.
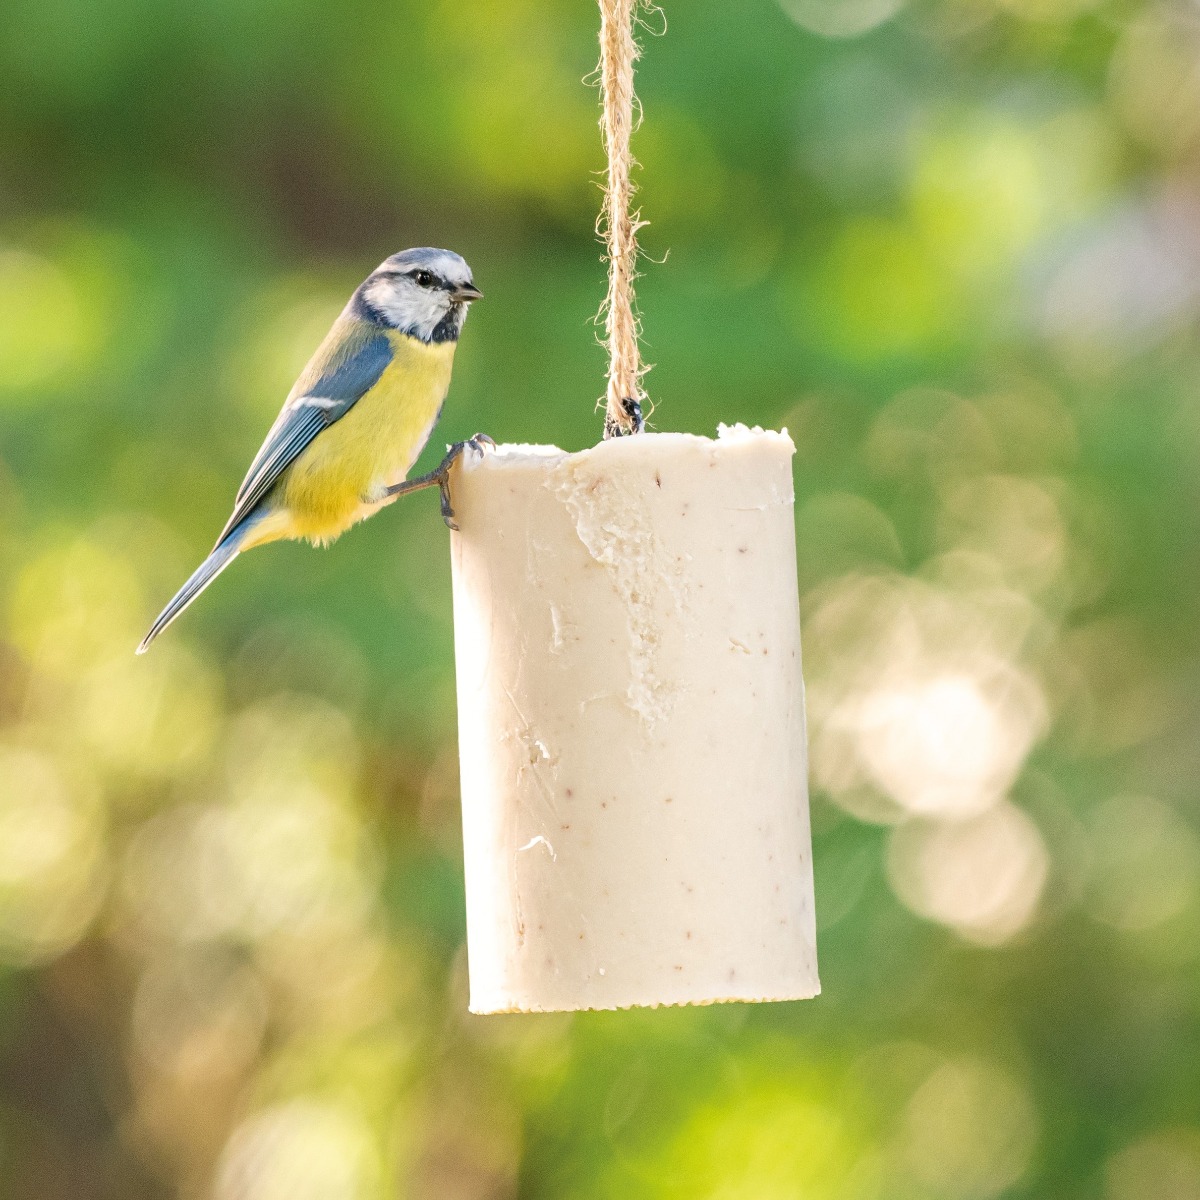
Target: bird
<point>356,419</point>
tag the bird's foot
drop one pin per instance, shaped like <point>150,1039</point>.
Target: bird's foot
<point>479,443</point>
<point>440,475</point>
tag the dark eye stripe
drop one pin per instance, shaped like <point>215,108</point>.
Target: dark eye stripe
<point>433,279</point>
<point>421,276</point>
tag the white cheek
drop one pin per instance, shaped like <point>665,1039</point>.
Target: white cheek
<point>409,308</point>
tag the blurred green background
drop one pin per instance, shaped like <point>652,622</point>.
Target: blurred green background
<point>952,245</point>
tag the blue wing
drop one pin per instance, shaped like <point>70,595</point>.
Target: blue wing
<point>346,367</point>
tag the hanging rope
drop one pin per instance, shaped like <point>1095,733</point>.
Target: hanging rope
<point>617,224</point>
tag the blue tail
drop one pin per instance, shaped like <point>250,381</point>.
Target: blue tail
<point>225,551</point>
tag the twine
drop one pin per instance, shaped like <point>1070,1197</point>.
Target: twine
<point>618,225</point>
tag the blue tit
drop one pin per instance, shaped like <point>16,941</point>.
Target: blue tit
<point>356,419</point>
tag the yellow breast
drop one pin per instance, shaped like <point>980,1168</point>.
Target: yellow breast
<point>340,477</point>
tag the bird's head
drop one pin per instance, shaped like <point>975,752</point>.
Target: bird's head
<point>424,293</point>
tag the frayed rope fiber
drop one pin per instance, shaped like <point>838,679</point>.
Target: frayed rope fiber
<point>618,225</point>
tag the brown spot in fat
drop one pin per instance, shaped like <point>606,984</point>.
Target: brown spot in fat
<point>570,791</point>
<point>679,966</point>
<point>743,549</point>
<point>603,803</point>
<point>669,800</point>
<point>688,935</point>
<point>657,479</point>
<point>564,828</point>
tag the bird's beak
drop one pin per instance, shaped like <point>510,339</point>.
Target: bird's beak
<point>465,293</point>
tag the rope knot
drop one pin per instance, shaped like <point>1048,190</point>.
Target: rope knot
<point>634,422</point>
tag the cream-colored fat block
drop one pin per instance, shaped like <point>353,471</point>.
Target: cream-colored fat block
<point>631,724</point>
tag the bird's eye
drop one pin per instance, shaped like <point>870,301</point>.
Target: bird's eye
<point>423,278</point>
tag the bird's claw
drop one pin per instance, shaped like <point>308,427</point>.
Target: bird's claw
<point>447,511</point>
<point>479,443</point>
